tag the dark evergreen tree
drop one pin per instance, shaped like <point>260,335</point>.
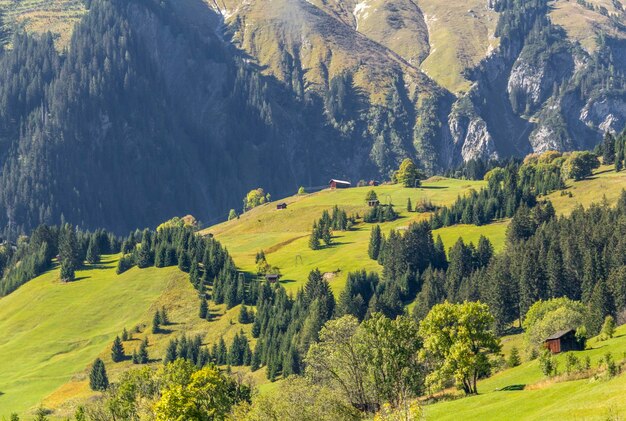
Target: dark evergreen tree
<point>117,350</point>
<point>142,355</point>
<point>156,322</point>
<point>98,379</point>
<point>375,243</point>
<point>204,307</point>
<point>93,251</point>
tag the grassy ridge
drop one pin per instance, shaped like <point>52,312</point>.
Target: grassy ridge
<point>53,331</point>
<point>283,234</point>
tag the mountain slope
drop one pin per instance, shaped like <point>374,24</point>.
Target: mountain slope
<point>158,108</point>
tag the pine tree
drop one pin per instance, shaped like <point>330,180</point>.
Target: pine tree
<point>608,149</point>
<point>156,322</point>
<point>98,379</point>
<point>142,355</point>
<point>165,320</point>
<point>67,271</point>
<point>170,353</point>
<point>375,242</point>
<point>183,261</point>
<point>204,309</point>
<point>93,252</point>
<point>125,335</point>
<point>514,359</point>
<point>117,350</point>
<point>326,234</point>
<point>244,317</point>
<point>222,352</point>
<point>600,306</point>
<point>409,205</point>
<point>314,239</point>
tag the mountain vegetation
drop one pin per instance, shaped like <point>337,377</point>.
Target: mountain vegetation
<point>208,104</point>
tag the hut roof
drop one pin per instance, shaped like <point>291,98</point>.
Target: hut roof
<point>559,334</point>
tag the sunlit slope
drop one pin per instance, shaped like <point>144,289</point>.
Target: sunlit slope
<point>605,183</point>
<point>284,234</point>
<point>587,399</point>
<point>52,330</point>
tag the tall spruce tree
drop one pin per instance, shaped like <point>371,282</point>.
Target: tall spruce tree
<point>117,350</point>
<point>93,251</point>
<point>314,238</point>
<point>204,308</point>
<point>375,242</point>
<point>98,379</point>
<point>142,355</point>
<point>156,322</point>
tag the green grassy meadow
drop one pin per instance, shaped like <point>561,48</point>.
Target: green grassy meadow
<point>543,399</point>
<point>284,234</point>
<point>51,330</point>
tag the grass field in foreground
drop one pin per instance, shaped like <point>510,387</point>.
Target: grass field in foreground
<point>51,330</point>
<point>587,399</point>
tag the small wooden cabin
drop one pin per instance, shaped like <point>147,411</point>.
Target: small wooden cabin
<point>339,184</point>
<point>374,183</point>
<point>373,203</point>
<point>272,278</point>
<point>563,341</point>
<point>281,206</point>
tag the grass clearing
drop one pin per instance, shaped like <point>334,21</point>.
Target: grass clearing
<point>604,183</point>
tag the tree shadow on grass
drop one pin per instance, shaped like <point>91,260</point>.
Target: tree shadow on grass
<point>433,187</point>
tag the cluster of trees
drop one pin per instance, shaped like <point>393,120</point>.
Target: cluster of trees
<point>189,349</point>
<point>612,150</point>
<point>33,255</point>
<point>286,326</point>
<point>177,390</point>
<point>323,228</point>
<point>380,214</point>
<point>204,258</point>
<point>508,188</point>
<point>263,267</point>
<point>580,257</point>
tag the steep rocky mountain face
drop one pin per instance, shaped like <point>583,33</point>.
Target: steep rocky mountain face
<point>149,109</point>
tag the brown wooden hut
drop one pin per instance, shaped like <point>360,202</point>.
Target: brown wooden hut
<point>563,341</point>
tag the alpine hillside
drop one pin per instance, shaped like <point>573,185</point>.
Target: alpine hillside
<point>129,112</point>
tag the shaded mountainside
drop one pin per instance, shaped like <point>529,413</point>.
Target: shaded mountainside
<point>157,108</point>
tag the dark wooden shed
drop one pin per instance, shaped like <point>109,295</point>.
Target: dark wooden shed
<point>281,206</point>
<point>339,184</point>
<point>563,341</point>
<point>272,277</point>
<point>373,203</point>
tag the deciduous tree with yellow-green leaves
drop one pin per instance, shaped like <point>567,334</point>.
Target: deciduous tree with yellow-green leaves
<point>458,339</point>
